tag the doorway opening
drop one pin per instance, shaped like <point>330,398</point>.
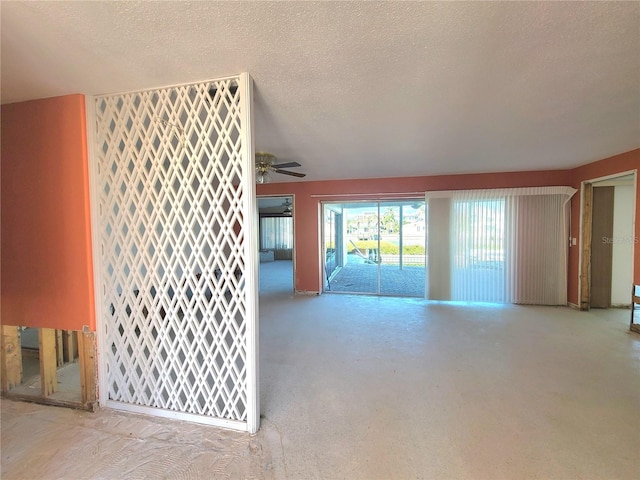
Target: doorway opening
<point>375,248</point>
<point>276,242</point>
<point>608,240</point>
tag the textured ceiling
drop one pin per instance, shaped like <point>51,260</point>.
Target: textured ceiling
<point>362,89</point>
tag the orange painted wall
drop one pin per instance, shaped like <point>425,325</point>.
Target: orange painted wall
<point>307,204</point>
<point>47,271</point>
<point>609,166</point>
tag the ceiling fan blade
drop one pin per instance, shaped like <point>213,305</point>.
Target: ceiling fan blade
<point>286,165</point>
<point>293,174</point>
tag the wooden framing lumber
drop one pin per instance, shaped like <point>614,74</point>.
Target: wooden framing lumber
<point>10,357</point>
<point>585,266</point>
<point>48,361</point>
<point>87,358</point>
<point>54,346</point>
<point>59,349</point>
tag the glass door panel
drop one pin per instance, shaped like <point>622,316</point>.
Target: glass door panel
<point>402,248</point>
<point>360,269</point>
<point>375,248</point>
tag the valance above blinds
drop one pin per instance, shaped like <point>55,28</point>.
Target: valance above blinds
<point>502,192</point>
<point>498,245</point>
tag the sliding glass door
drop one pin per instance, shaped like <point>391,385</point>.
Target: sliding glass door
<point>375,247</point>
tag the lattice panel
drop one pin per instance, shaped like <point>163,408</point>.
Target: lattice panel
<point>172,231</point>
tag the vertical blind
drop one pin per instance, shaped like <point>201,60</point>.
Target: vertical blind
<point>276,233</point>
<point>478,247</point>
<point>505,246</point>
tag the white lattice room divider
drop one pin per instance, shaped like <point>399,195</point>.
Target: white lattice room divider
<point>176,252</point>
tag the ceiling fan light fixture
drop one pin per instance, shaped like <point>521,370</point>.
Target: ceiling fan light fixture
<point>262,176</point>
<point>287,208</point>
<point>265,165</point>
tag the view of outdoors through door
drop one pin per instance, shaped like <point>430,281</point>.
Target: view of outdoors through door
<point>375,248</point>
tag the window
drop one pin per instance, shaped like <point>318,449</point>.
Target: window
<point>503,245</point>
<point>276,233</point>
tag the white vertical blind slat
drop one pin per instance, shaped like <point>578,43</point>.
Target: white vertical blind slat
<point>506,246</point>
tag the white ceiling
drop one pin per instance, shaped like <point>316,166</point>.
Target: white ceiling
<point>362,89</point>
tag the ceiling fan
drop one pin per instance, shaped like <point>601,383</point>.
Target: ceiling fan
<point>287,208</point>
<point>265,165</point>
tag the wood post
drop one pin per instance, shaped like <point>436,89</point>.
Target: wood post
<point>59,349</point>
<point>87,354</point>
<point>585,265</point>
<point>10,357</point>
<point>48,361</point>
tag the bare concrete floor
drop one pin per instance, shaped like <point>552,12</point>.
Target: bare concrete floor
<point>68,377</point>
<point>361,387</point>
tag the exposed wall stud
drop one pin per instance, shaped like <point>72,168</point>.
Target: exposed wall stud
<point>10,357</point>
<point>585,267</point>
<point>48,361</point>
<point>59,349</point>
<point>87,359</point>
